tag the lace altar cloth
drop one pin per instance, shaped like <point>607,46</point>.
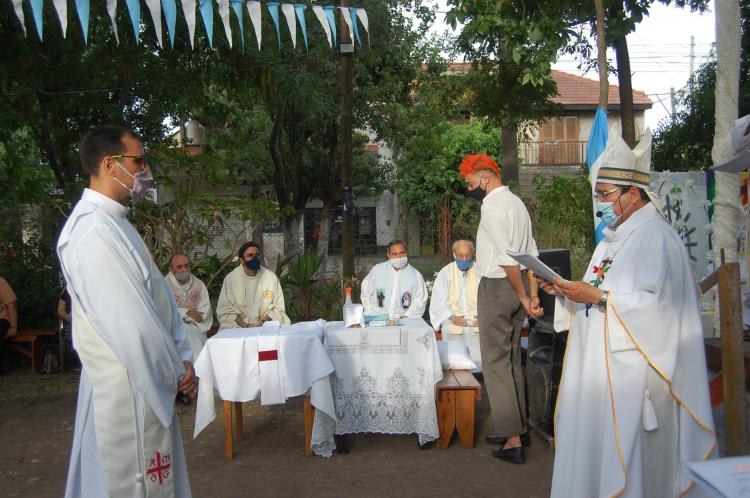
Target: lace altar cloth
<point>384,382</point>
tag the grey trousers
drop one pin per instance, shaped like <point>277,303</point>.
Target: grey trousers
<point>501,317</point>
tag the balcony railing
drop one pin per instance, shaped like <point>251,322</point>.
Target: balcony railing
<point>552,153</point>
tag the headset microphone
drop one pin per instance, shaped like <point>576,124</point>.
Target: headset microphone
<point>599,214</point>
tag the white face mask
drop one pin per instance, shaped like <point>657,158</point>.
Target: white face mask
<point>142,181</point>
<point>399,263</point>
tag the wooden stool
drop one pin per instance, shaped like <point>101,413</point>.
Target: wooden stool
<point>456,397</point>
<point>233,410</point>
<point>25,342</point>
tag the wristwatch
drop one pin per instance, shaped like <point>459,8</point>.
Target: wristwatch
<point>603,300</point>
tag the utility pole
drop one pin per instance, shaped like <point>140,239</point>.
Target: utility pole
<point>672,100</point>
<point>346,49</point>
<point>692,60</point>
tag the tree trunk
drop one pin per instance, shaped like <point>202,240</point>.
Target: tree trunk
<point>291,234</point>
<point>601,46</point>
<point>510,154</point>
<point>627,117</point>
<point>444,230</point>
<point>324,237</point>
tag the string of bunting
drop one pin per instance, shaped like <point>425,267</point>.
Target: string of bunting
<point>293,13</point>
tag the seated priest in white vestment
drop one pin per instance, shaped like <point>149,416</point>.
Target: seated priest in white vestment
<point>633,403</point>
<point>128,334</point>
<point>192,300</point>
<point>394,286</point>
<point>453,304</point>
<point>251,293</point>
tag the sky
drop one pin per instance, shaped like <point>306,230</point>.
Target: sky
<point>659,53</point>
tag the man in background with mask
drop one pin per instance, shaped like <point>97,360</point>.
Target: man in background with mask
<point>394,286</point>
<point>251,294</point>
<point>192,300</point>
<point>507,293</point>
<point>128,334</point>
<point>453,305</point>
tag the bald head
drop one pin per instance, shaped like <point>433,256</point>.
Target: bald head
<point>179,263</point>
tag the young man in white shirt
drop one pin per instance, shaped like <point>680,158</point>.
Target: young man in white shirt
<point>507,293</point>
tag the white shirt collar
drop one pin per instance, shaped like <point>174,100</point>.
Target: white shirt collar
<point>104,202</point>
<point>502,188</point>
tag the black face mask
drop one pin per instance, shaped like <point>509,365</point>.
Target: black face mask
<point>253,264</point>
<point>478,193</point>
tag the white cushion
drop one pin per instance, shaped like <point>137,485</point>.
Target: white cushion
<point>454,355</point>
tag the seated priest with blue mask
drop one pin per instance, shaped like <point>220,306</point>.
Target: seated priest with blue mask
<point>453,306</point>
<point>251,294</point>
<point>394,287</point>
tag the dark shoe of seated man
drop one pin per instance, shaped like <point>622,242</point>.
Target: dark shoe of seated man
<point>500,441</point>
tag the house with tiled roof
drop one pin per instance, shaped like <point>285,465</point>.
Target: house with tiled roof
<point>557,145</point>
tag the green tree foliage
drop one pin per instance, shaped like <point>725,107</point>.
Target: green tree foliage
<point>684,142</point>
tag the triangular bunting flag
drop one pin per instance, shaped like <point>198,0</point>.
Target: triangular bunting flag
<point>154,7</point>
<point>112,11</point>
<point>37,12</point>
<point>300,10</point>
<point>82,6</point>
<point>288,10</point>
<point>321,15</point>
<point>170,15</point>
<point>348,20</point>
<point>207,13</point>
<point>331,21</point>
<point>18,7</point>
<point>224,15</point>
<point>362,14</point>
<point>188,9</point>
<point>253,8</point>
<point>237,6</point>
<point>134,8</point>
<point>353,17</point>
<point>61,6</point>
<point>273,8</point>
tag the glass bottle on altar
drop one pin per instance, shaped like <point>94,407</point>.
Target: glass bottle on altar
<point>354,315</point>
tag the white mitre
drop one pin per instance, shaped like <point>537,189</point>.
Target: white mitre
<point>620,165</point>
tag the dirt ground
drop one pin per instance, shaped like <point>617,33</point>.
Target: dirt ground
<point>36,431</point>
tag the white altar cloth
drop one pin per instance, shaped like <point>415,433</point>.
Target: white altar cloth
<point>384,382</point>
<point>229,363</point>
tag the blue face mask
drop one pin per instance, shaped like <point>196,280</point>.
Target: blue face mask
<point>464,264</point>
<point>253,264</point>
<point>606,211</point>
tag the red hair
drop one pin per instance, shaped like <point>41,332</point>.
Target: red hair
<point>477,162</point>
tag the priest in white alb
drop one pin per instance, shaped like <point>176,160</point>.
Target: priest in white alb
<point>453,304</point>
<point>192,300</point>
<point>128,334</point>
<point>251,294</point>
<point>394,287</point>
<point>633,402</point>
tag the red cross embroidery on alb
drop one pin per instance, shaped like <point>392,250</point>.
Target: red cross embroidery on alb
<point>158,467</point>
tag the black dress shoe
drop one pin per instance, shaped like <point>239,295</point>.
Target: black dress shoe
<point>512,455</point>
<point>500,441</point>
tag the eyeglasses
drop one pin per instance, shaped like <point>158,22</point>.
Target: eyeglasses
<point>600,196</point>
<point>139,160</point>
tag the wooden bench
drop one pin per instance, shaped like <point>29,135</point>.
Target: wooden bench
<point>233,410</point>
<point>456,397</point>
<point>26,342</point>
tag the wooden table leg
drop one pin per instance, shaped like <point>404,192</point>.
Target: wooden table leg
<point>228,449</point>
<point>446,408</point>
<point>309,417</point>
<point>238,427</point>
<point>465,405</point>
